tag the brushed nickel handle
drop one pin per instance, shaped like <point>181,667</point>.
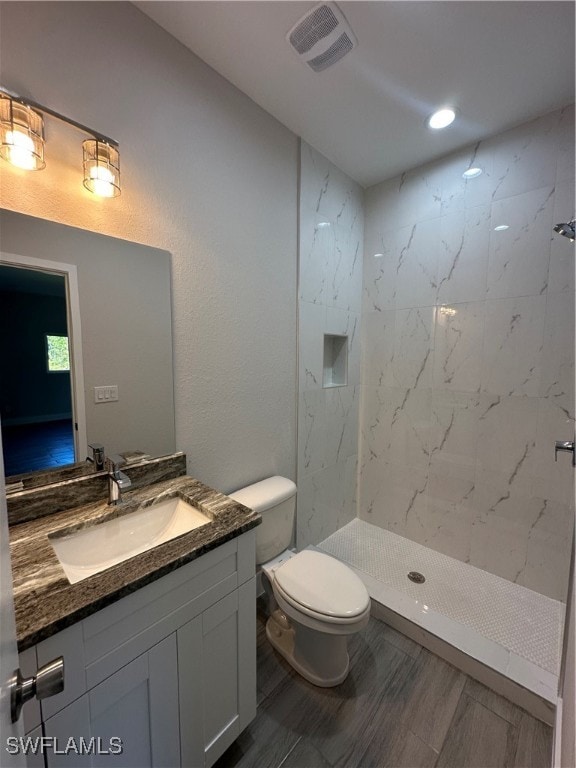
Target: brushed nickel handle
<point>48,681</point>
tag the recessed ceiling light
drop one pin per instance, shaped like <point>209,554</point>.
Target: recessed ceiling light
<point>471,173</point>
<point>441,118</point>
<point>501,227</point>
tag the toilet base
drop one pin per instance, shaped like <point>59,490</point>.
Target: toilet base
<point>320,658</point>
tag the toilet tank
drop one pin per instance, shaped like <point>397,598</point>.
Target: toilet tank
<point>275,499</point>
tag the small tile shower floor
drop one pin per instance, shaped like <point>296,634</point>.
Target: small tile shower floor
<point>400,707</point>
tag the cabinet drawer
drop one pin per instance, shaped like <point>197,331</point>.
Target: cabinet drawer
<point>118,633</point>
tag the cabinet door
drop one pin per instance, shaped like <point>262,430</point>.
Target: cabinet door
<point>72,722</point>
<point>34,756</point>
<point>217,676</point>
<point>137,705</point>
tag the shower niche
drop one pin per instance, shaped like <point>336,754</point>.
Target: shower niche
<point>335,361</point>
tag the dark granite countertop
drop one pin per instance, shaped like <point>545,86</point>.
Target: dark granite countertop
<point>44,600</point>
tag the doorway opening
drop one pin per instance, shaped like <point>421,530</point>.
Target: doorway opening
<point>40,428</point>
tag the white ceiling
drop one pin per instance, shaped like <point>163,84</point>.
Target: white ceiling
<point>500,63</point>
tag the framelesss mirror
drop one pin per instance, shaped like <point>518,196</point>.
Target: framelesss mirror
<point>126,332</point>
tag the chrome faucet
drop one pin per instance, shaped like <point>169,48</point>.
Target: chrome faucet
<point>117,480</point>
<point>98,458</point>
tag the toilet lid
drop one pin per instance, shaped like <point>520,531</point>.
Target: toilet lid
<point>322,584</point>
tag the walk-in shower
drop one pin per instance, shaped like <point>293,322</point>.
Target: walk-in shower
<point>438,454</point>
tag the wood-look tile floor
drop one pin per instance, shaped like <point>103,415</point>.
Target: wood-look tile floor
<point>400,707</point>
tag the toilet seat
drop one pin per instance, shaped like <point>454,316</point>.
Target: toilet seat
<point>301,613</point>
<point>322,588</point>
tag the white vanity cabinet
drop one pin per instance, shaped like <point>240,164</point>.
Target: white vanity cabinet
<point>136,705</point>
<point>170,669</point>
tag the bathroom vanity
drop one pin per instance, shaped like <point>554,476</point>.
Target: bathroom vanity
<point>159,650</point>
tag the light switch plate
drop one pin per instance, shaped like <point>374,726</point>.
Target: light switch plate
<point>107,394</point>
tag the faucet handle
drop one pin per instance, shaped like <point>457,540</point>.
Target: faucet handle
<point>98,456</point>
<point>117,480</point>
<point>114,462</point>
<point>565,445</point>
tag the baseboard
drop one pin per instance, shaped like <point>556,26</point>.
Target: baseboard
<point>557,745</point>
<point>21,421</point>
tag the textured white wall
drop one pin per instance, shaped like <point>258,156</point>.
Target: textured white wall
<point>468,355</point>
<point>206,175</point>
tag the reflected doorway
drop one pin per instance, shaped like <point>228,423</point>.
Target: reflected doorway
<point>39,428</point>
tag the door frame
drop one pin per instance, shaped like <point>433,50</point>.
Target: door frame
<point>70,274</point>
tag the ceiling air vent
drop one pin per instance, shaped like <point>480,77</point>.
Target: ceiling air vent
<point>322,37</point>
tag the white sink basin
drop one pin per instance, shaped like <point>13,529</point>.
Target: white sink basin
<point>91,550</point>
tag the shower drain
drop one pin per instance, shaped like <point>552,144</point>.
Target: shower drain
<point>416,577</point>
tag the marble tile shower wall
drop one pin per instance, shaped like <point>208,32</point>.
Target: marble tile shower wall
<point>468,355</point>
<point>330,302</point>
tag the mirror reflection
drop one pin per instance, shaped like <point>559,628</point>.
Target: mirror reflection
<point>95,367</point>
<point>38,428</point>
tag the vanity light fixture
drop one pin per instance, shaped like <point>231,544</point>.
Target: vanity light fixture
<point>22,143</point>
<point>442,118</point>
<point>21,135</point>
<point>472,173</point>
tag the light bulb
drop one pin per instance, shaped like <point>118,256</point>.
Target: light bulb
<point>21,150</point>
<point>442,118</point>
<point>472,173</point>
<point>102,181</point>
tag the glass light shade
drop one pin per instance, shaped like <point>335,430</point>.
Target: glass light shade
<point>101,168</point>
<point>21,135</point>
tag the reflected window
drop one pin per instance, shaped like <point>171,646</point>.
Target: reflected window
<point>57,353</point>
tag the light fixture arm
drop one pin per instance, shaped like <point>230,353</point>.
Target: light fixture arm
<point>41,108</point>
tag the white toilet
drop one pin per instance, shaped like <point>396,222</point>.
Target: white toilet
<point>315,601</point>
